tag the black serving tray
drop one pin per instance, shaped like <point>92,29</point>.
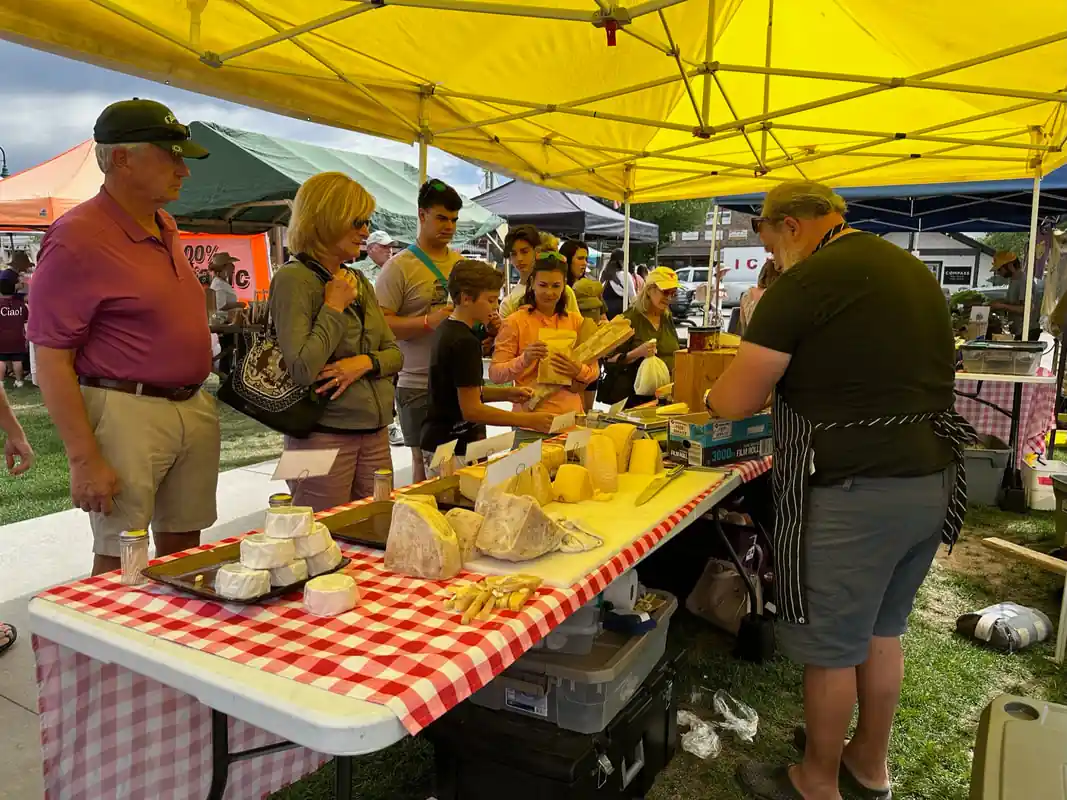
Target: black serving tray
<point>180,574</point>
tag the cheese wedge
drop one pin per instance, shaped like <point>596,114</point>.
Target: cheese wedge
<point>573,484</point>
<point>602,463</point>
<point>326,560</point>
<point>259,551</point>
<point>293,572</point>
<point>516,529</point>
<point>622,435</point>
<point>425,499</point>
<point>314,543</point>
<point>289,522</point>
<point>646,458</point>
<point>470,480</point>
<point>553,456</point>
<point>466,524</point>
<point>235,581</point>
<point>672,410</point>
<point>534,483</point>
<point>330,595</point>
<point>422,543</point>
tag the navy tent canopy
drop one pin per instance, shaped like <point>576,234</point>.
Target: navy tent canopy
<point>948,207</point>
<point>562,213</point>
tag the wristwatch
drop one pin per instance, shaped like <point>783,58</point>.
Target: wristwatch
<point>707,392</point>
<point>376,368</point>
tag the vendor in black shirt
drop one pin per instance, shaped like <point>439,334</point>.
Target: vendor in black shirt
<point>458,401</point>
<point>855,341</point>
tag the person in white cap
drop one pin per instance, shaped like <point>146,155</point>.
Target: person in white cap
<point>379,250</point>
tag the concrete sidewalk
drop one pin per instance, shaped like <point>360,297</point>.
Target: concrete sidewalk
<point>38,553</point>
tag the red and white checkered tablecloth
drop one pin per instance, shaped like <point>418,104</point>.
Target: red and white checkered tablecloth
<point>1036,412</point>
<point>399,648</point>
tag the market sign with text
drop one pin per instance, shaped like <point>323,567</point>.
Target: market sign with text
<point>252,271</point>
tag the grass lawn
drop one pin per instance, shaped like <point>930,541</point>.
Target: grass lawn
<point>46,488</point>
<point>948,682</point>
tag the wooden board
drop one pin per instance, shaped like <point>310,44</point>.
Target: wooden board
<point>1045,562</point>
<point>694,373</point>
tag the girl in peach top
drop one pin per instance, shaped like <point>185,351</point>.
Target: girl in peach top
<point>518,349</point>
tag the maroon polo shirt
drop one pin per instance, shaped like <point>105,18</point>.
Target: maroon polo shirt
<point>128,303</point>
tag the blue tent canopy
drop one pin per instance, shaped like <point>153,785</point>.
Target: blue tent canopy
<point>973,206</point>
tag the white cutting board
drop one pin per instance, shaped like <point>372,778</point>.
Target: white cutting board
<point>618,522</point>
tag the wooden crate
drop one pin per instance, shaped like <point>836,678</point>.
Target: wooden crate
<point>694,373</point>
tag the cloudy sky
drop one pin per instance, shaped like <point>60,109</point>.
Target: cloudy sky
<point>48,104</point>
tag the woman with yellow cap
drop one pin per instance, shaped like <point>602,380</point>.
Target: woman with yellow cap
<point>654,335</point>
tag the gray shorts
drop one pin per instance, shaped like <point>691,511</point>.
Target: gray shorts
<point>414,404</point>
<point>868,544</point>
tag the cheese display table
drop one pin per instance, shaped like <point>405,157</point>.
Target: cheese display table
<point>136,687</point>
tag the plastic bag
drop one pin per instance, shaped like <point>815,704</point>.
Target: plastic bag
<point>736,716</point>
<point>701,740</point>
<point>651,375</point>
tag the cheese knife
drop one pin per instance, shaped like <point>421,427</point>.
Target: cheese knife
<point>658,483</point>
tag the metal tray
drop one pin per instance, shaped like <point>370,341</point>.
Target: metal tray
<point>645,419</point>
<point>446,490</point>
<point>181,573</point>
<point>364,525</point>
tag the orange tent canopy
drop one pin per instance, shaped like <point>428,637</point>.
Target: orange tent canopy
<point>38,196</point>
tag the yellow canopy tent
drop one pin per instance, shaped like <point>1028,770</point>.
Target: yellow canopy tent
<point>635,100</point>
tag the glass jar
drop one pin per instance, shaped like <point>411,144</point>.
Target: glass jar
<point>133,557</point>
<point>383,484</point>
<point>280,500</point>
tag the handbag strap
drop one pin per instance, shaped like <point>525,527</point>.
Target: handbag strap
<point>420,254</point>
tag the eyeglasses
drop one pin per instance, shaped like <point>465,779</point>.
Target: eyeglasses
<point>547,254</point>
<point>360,223</point>
<point>757,223</point>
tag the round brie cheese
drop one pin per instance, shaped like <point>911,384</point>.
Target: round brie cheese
<point>330,595</point>
<point>293,572</point>
<point>235,581</point>
<point>326,560</point>
<point>314,543</point>
<point>260,551</point>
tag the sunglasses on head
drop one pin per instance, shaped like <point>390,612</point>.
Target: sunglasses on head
<point>547,254</point>
<point>436,185</point>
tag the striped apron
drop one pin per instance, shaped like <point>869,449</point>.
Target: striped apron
<point>793,464</point>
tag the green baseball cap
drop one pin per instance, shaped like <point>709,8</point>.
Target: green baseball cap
<point>136,120</point>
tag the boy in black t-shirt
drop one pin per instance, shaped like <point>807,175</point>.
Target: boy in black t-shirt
<point>458,402</point>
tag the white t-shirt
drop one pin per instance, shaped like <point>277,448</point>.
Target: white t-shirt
<point>224,293</point>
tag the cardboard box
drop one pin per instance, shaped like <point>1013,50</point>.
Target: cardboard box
<point>701,441</point>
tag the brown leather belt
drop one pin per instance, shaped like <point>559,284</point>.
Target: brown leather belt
<point>180,394</point>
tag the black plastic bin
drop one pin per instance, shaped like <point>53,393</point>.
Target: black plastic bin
<point>485,755</point>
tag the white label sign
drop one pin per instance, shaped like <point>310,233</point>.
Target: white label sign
<point>576,439</point>
<point>509,466</point>
<point>562,422</point>
<point>443,453</point>
<point>616,409</point>
<point>295,465</point>
<point>494,444</point>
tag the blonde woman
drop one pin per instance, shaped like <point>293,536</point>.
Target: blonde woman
<point>333,334</point>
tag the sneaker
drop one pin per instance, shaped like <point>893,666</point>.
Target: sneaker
<point>396,436</point>
<point>18,384</point>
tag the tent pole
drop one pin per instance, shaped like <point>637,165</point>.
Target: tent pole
<point>711,260</point>
<point>626,256</point>
<point>1031,257</point>
<point>422,160</point>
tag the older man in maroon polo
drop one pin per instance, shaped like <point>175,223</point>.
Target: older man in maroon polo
<point>122,342</point>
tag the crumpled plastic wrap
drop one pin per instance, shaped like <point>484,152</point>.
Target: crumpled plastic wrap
<point>516,529</point>
<point>736,716</point>
<point>701,740</point>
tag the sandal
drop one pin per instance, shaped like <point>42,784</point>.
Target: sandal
<point>9,631</point>
<point>849,782</point>
<point>767,781</point>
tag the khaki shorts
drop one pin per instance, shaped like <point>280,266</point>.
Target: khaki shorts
<point>166,455</point>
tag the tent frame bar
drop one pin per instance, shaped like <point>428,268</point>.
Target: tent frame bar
<point>917,137</point>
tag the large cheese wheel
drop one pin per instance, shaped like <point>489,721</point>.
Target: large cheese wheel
<point>602,463</point>
<point>330,595</point>
<point>293,572</point>
<point>622,435</point>
<point>573,484</point>
<point>646,458</point>
<point>326,560</point>
<point>289,522</point>
<point>466,524</point>
<point>314,543</point>
<point>235,581</point>
<point>553,456</point>
<point>422,543</point>
<point>260,551</point>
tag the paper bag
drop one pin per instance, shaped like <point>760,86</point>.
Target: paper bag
<point>558,342</point>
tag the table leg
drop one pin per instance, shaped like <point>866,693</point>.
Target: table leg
<point>342,783</point>
<point>1014,496</point>
<point>220,755</point>
<point>1061,630</point>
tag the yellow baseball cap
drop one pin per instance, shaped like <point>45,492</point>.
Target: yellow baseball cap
<point>664,278</point>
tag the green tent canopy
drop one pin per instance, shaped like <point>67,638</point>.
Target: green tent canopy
<point>243,186</point>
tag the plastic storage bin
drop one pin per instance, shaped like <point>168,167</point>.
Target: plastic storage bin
<point>576,634</point>
<point>1020,750</point>
<point>1037,480</point>
<point>482,754</point>
<point>1002,358</point>
<point>985,470</point>
<point>581,693</point>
